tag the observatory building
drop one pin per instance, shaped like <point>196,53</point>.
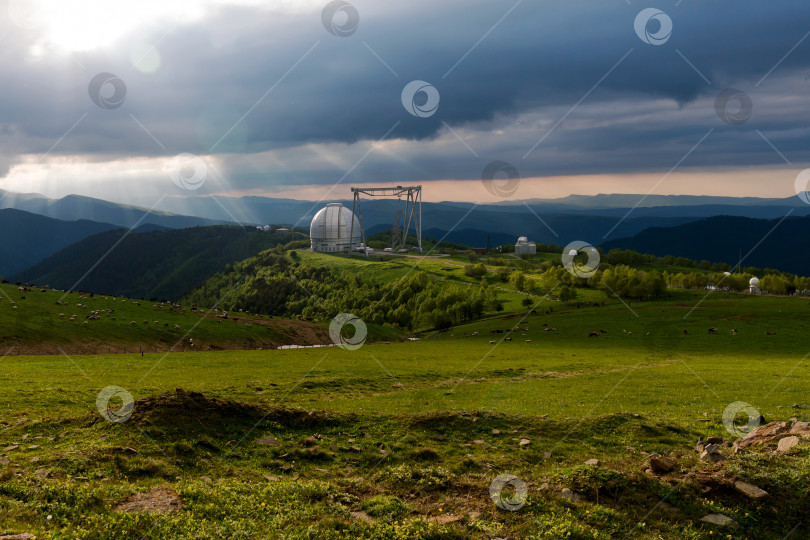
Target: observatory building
<point>753,286</point>
<point>331,228</point>
<point>524,247</point>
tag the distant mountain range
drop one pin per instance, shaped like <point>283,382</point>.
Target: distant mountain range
<point>607,220</point>
<point>160,264</point>
<point>27,238</point>
<point>777,243</point>
<point>75,207</point>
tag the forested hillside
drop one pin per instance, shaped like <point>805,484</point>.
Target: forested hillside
<point>159,264</point>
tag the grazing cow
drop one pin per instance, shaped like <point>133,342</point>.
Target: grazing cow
<point>603,331</point>
<point>734,332</point>
<point>593,334</point>
<point>492,342</point>
<point>712,330</point>
<point>685,332</point>
<point>475,333</point>
<point>629,333</point>
<point>507,339</point>
<point>770,333</point>
<point>647,334</point>
<point>528,341</point>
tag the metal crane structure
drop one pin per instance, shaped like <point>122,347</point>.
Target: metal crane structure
<point>413,210</point>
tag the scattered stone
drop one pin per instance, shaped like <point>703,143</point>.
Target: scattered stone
<point>362,515</point>
<point>80,479</point>
<point>444,519</point>
<point>764,434</point>
<point>268,441</point>
<point>25,437</point>
<point>21,536</point>
<point>157,499</point>
<point>545,454</point>
<point>524,442</point>
<point>474,515</point>
<point>33,447</point>
<point>714,440</point>
<point>270,478</point>
<point>206,479</point>
<point>662,464</point>
<point>594,462</point>
<point>802,429</point>
<point>750,491</point>
<point>712,454</point>
<point>629,449</point>
<point>4,460</point>
<point>720,520</point>
<point>787,443</point>
<point>42,474</point>
<point>566,493</point>
<point>10,448</point>
<point>496,432</point>
<point>355,448</point>
<point>286,468</point>
<point>479,441</point>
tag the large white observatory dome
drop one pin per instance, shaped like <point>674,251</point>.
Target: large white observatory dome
<point>331,227</point>
<point>754,282</point>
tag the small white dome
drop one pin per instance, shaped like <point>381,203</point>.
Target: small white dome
<point>754,282</point>
<point>523,240</point>
<point>331,227</point>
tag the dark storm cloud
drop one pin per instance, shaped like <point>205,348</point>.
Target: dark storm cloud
<point>524,76</point>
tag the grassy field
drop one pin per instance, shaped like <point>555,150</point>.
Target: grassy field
<point>404,440</point>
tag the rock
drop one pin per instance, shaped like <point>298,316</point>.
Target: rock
<point>546,454</point>
<point>268,441</point>
<point>42,474</point>
<point>524,442</point>
<point>206,479</point>
<point>566,493</point>
<point>764,434</point>
<point>802,429</point>
<point>712,455</point>
<point>286,468</point>
<point>444,519</point>
<point>496,432</point>
<point>594,462</point>
<point>361,515</point>
<point>354,448</point>
<point>787,443</point>
<point>738,450</point>
<point>750,491</point>
<point>271,478</point>
<point>720,520</point>
<point>700,447</point>
<point>33,447</point>
<point>661,464</point>
<point>479,441</point>
<point>21,536</point>
<point>629,449</point>
<point>714,440</point>
<point>474,515</point>
<point>11,448</point>
<point>157,499</point>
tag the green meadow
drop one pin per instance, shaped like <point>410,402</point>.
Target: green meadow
<point>404,440</point>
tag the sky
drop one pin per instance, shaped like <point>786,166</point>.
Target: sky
<point>297,98</point>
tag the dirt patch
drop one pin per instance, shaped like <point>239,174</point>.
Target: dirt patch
<point>157,499</point>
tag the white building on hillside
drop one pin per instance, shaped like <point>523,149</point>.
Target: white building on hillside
<point>524,247</point>
<point>330,229</point>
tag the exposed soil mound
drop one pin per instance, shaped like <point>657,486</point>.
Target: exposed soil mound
<point>187,409</point>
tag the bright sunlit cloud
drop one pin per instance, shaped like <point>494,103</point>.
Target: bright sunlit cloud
<point>91,24</point>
